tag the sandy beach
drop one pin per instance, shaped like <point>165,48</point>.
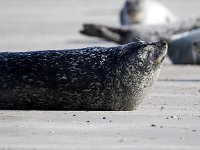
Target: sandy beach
<point>168,118</point>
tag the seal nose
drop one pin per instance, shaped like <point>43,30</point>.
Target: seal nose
<point>163,43</point>
<point>160,43</point>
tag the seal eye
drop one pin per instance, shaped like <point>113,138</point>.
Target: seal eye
<point>140,63</point>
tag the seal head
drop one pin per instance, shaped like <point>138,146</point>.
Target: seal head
<point>145,12</point>
<point>141,68</point>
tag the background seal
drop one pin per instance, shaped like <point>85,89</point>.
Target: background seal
<point>127,34</point>
<point>184,48</point>
<point>145,12</point>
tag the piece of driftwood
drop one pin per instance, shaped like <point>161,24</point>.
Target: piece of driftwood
<point>126,34</point>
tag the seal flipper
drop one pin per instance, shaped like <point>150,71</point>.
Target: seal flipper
<point>108,33</point>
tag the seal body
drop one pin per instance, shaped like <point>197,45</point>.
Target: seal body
<point>145,12</point>
<point>95,78</point>
<point>183,48</point>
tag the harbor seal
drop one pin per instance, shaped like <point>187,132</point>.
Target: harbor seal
<point>145,12</point>
<point>95,78</point>
<point>184,48</point>
<point>128,34</point>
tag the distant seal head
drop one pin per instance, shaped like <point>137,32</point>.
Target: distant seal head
<point>94,78</point>
<point>184,48</point>
<point>145,12</point>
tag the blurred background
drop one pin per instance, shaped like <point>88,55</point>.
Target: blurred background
<point>168,117</point>
<point>48,24</point>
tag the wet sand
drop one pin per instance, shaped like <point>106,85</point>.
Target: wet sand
<point>168,118</point>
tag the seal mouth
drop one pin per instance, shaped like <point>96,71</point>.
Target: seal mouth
<point>161,51</point>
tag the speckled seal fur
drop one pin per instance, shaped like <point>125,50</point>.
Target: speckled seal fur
<point>95,78</point>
